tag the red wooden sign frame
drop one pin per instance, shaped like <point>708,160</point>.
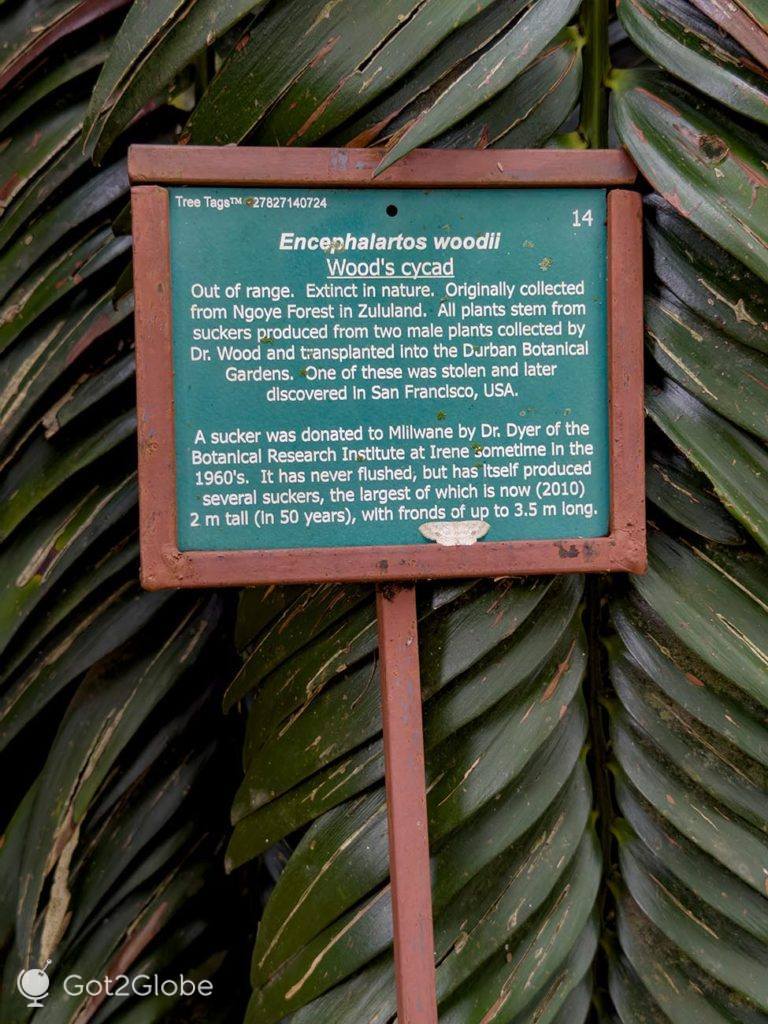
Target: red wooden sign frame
<point>164,565</point>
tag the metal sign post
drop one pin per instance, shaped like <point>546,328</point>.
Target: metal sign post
<point>406,803</point>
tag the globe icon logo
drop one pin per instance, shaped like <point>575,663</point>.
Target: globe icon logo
<point>33,984</point>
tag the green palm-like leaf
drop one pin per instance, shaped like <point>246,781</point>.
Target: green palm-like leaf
<point>709,168</point>
<point>52,544</point>
<point>31,29</point>
<point>56,279</point>
<point>744,20</point>
<point>724,374</point>
<point>678,38</point>
<point>91,200</point>
<point>689,727</point>
<point>340,63</point>
<point>115,832</point>
<point>707,279</point>
<point>736,464</point>
<point>36,363</point>
<point>108,863</point>
<point>684,494</point>
<point>52,79</point>
<point>98,631</point>
<point>43,467</point>
<point>530,110</point>
<point>155,43</point>
<point>114,703</point>
<point>493,71</point>
<point>691,745</point>
<point>38,143</point>
<point>415,91</point>
<point>504,724</point>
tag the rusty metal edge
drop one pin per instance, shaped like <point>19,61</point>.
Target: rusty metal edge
<point>154,382</point>
<point>349,168</point>
<point>625,353</point>
<point>404,775</point>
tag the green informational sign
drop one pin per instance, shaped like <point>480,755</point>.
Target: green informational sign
<point>371,367</point>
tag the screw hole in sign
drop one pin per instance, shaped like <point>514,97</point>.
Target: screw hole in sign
<point>392,210</point>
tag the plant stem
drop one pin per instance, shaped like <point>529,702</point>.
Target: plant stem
<point>204,71</point>
<point>594,97</point>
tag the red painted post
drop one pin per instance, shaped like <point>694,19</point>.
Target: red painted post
<point>406,804</point>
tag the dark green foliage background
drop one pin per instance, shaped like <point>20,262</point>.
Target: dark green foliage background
<point>597,750</point>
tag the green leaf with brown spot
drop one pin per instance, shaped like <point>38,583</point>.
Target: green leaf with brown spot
<point>711,169</point>
<point>675,35</point>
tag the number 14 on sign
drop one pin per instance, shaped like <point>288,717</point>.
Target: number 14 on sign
<point>581,217</point>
